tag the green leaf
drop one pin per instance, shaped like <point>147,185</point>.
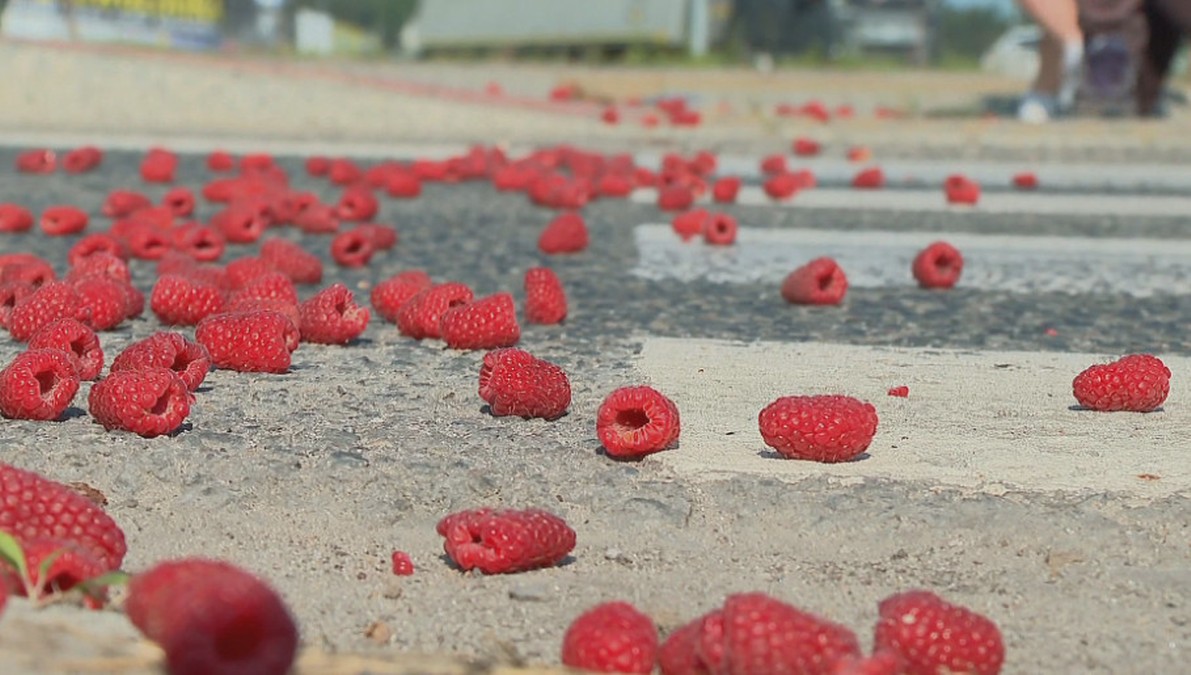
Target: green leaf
<point>11,552</point>
<point>113,578</point>
<point>43,570</point>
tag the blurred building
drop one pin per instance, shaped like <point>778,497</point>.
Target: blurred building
<point>179,24</point>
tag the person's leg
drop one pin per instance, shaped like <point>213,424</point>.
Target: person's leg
<point>1061,52</point>
<point>1168,21</point>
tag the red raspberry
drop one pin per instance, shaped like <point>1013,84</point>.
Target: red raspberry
<point>782,186</point>
<point>403,185</point>
<point>545,298</point>
<point>75,339</point>
<point>317,219</point>
<point>828,428</point>
<point>121,203</point>
<point>344,172</point>
<point>300,265</point>
<point>421,315</point>
<point>241,222</point>
<point>679,655</point>
<point>514,382</point>
<point>675,198</point>
<point>179,201</point>
<point>567,233</point>
<point>938,266</point>
<point>353,248</point>
<point>721,230</point>
<point>933,636</point>
<point>52,301</point>
<point>505,541</point>
<point>69,564</point>
<point>690,224</point>
<point>1026,180</point>
<point>614,185</point>
<point>105,300</point>
<point>611,638</point>
<point>819,282</point>
<point>273,286</point>
<point>806,147</point>
<point>39,384</point>
<point>99,262</point>
<point>149,402</point>
<point>389,295</point>
<point>159,166</point>
<point>384,237</point>
<point>25,267</point>
<point>610,115</point>
<point>636,421</point>
<point>11,293</point>
<point>220,161</point>
<point>725,189</point>
<point>211,617</point>
<point>317,166</point>
<point>755,634</point>
<point>183,301</point>
<point>259,341</point>
<point>1134,383</point>
<point>884,662</point>
<point>772,164</point>
<point>189,360</point>
<point>357,204</point>
<point>332,317</point>
<point>15,218</point>
<point>487,323</point>
<point>243,271</point>
<point>869,179</point>
<point>199,242</point>
<point>60,221</point>
<point>82,160</point>
<point>403,565</point>
<point>33,507</point>
<point>38,160</point>
<point>960,189</point>
<point>900,391</point>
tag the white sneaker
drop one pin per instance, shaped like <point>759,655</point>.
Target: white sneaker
<point>1036,108</point>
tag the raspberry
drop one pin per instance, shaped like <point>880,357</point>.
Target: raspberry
<point>199,242</point>
<point>241,222</point>
<point>344,172</point>
<point>179,201</point>
<point>678,655</point>
<point>143,240</point>
<point>257,162</point>
<point>721,230</point>
<point>403,185</point>
<point>11,293</point>
<point>357,204</point>
<point>960,189</point>
<point>149,402</point>
<point>52,301</point>
<point>402,564</point>
<point>611,638</point>
<point>420,316</point>
<point>772,164</point>
<point>567,233</point>
<point>756,634</point>
<point>933,636</point>
<point>15,218</point>
<point>869,179</point>
<point>300,265</point>
<point>610,115</point>
<point>159,166</point>
<point>505,541</point>
<point>259,341</point>
<point>317,166</point>
<point>220,161</point>
<point>33,507</point>
<point>884,662</point>
<point>211,617</point>
<point>121,203</point>
<point>514,382</point>
<point>183,301</point>
<point>38,160</point>
<point>725,189</point>
<point>675,198</point>
<point>1026,180</point>
<point>636,421</point>
<point>938,266</point>
<point>189,360</point>
<point>384,237</point>
<point>77,341</point>
<point>353,248</point>
<point>389,295</point>
<point>317,219</point>
<point>82,160</point>
<point>615,185</point>
<point>806,147</point>
<point>105,300</point>
<point>690,224</point>
<point>545,299</point>
<point>782,186</point>
<point>100,263</point>
<point>829,428</point>
<point>39,384</point>
<point>36,273</point>
<point>900,391</point>
<point>270,286</point>
<point>60,221</point>
<point>332,317</point>
<point>71,564</point>
<point>819,282</point>
<point>243,271</point>
<point>1134,383</point>
<point>487,323</point>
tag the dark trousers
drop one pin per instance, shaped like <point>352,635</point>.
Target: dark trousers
<point>1169,22</point>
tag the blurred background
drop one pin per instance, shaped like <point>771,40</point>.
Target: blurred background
<point>953,34</point>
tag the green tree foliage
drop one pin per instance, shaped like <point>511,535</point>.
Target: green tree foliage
<point>385,17</point>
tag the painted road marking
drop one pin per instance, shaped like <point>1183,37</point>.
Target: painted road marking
<point>872,259</point>
<point>988,421</point>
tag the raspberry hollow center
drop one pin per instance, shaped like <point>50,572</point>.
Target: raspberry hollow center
<point>631,419</point>
<point>161,405</point>
<point>47,381</point>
